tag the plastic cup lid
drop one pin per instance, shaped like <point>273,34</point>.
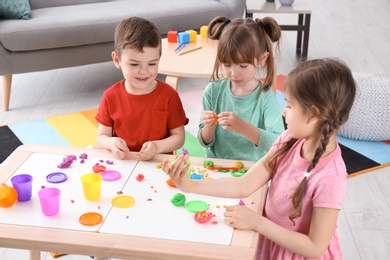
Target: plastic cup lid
<point>196,206</point>
<point>56,177</point>
<point>123,201</point>
<point>91,219</point>
<point>110,175</point>
<point>5,191</point>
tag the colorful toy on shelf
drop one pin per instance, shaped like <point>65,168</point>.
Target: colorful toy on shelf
<point>184,37</point>
<point>203,31</point>
<point>193,35</point>
<point>172,36</point>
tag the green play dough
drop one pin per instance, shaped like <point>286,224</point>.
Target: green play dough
<point>178,200</point>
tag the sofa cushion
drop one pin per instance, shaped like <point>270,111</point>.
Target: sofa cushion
<point>35,4</point>
<point>15,9</point>
<point>67,26</point>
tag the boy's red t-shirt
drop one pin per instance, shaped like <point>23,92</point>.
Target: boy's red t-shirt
<point>141,118</point>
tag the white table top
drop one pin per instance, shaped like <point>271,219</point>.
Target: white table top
<point>143,230</point>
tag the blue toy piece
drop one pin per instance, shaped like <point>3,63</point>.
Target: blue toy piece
<point>184,37</point>
<point>195,176</point>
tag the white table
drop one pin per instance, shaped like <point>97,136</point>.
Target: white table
<point>23,226</point>
<point>300,7</point>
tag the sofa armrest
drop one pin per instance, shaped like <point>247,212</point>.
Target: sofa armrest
<point>36,4</point>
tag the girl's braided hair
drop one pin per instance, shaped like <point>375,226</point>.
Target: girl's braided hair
<point>325,88</point>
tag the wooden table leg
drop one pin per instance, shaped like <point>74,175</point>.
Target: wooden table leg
<point>35,255</point>
<point>6,82</point>
<point>99,258</point>
<point>172,81</point>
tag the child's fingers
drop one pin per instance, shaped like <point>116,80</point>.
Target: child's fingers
<point>165,166</point>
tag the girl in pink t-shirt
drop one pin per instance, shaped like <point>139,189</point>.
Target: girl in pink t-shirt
<point>307,172</point>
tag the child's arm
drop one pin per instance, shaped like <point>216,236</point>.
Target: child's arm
<point>174,141</point>
<point>323,224</point>
<point>116,145</point>
<point>228,187</point>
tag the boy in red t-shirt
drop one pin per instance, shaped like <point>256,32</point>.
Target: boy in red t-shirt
<point>140,113</point>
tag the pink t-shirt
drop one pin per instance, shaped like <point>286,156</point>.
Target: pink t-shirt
<point>326,188</point>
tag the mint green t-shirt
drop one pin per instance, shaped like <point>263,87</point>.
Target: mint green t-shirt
<point>263,112</point>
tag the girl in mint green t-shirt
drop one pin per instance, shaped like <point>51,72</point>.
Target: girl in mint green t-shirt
<point>241,117</point>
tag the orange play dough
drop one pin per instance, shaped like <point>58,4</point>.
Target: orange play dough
<point>171,183</point>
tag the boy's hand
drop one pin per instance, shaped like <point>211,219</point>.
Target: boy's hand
<point>209,119</point>
<point>178,171</point>
<point>148,151</point>
<point>118,147</point>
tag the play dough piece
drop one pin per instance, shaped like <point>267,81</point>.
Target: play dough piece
<point>56,177</point>
<point>110,175</point>
<point>196,206</point>
<point>203,216</point>
<point>170,182</point>
<point>238,164</point>
<point>207,164</point>
<point>140,177</point>
<point>238,173</point>
<point>98,168</point>
<point>91,219</point>
<point>178,200</point>
<point>67,161</point>
<point>123,201</point>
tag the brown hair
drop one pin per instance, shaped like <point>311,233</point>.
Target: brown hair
<point>136,33</point>
<point>324,88</point>
<point>243,40</point>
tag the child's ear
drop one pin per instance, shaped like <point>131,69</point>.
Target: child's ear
<point>316,116</point>
<point>263,58</point>
<point>116,60</point>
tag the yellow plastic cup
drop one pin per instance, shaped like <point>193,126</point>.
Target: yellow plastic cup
<point>92,183</point>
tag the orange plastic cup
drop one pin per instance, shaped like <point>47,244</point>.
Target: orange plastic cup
<point>8,195</point>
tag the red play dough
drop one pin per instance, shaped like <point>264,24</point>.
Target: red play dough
<point>203,216</point>
<point>98,168</point>
<point>140,177</point>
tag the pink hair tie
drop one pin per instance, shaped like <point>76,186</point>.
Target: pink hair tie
<point>306,174</point>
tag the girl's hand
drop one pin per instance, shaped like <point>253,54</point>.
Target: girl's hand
<point>241,217</point>
<point>230,121</point>
<point>118,147</point>
<point>178,171</point>
<point>148,151</point>
<point>209,119</point>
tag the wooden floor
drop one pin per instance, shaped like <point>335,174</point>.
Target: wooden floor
<point>357,32</point>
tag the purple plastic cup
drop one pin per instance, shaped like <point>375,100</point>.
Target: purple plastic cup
<point>22,183</point>
<point>50,201</point>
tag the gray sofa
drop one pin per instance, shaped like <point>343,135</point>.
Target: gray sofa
<point>65,33</point>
